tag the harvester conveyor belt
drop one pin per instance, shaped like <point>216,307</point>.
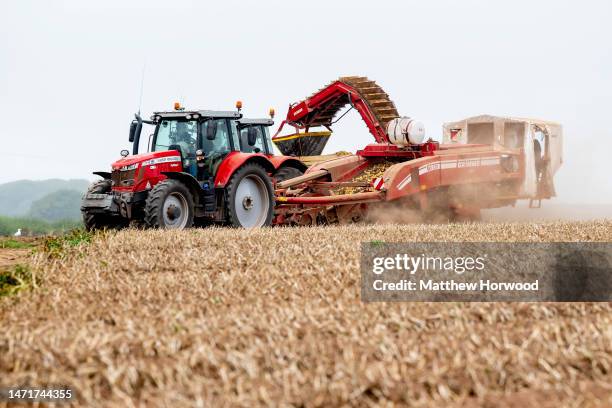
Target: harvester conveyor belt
<point>322,107</point>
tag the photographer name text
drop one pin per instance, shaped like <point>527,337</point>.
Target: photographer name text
<point>410,265</point>
<point>451,285</point>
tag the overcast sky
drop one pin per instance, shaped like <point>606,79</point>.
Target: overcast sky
<point>70,71</point>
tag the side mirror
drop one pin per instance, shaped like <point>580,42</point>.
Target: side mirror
<point>211,130</point>
<point>132,130</point>
<point>252,135</point>
<point>135,129</point>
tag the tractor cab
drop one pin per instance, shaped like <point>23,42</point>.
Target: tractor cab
<point>205,138</point>
<point>202,138</point>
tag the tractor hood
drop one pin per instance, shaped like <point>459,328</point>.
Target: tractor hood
<point>147,159</point>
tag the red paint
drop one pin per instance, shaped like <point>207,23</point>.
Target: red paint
<point>279,161</point>
<point>146,174</point>
<point>227,168</point>
<point>300,111</point>
<point>333,199</point>
<point>391,150</point>
<point>378,183</point>
<point>129,160</point>
<point>236,159</point>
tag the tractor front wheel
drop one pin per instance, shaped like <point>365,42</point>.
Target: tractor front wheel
<point>250,197</point>
<point>169,205</point>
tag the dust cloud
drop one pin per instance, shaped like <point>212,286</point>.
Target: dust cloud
<point>549,211</point>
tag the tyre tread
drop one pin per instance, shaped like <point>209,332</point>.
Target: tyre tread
<point>155,200</point>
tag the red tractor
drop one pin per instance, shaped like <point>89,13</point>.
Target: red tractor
<point>201,167</point>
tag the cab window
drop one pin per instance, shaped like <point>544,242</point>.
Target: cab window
<point>268,140</point>
<point>221,142</point>
<point>259,140</point>
<point>176,135</point>
<point>235,135</point>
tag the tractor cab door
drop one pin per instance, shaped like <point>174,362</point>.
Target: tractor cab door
<point>215,143</point>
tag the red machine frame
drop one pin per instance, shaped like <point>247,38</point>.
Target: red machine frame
<point>306,114</point>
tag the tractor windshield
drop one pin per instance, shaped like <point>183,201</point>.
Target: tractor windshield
<point>178,135</point>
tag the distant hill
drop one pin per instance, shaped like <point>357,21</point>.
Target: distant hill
<point>57,206</point>
<point>17,197</point>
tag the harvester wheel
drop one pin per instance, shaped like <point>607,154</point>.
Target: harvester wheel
<point>95,221</point>
<point>250,197</point>
<point>286,173</point>
<point>169,205</point>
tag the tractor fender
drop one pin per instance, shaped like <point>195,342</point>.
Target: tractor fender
<point>104,174</point>
<point>287,161</point>
<point>191,182</point>
<point>234,160</point>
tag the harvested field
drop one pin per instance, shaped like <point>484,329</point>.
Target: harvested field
<point>274,317</point>
<point>15,250</point>
<point>10,257</point>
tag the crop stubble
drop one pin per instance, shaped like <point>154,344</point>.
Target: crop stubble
<point>237,317</point>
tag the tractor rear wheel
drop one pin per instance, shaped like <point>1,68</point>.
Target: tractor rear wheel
<point>286,173</point>
<point>169,205</point>
<point>94,221</point>
<point>250,197</point>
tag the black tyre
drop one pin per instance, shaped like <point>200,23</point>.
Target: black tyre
<point>286,173</point>
<point>169,205</point>
<point>94,221</point>
<point>250,197</point>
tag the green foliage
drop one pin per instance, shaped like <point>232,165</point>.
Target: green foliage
<point>59,205</point>
<point>17,278</point>
<point>56,247</point>
<point>16,197</point>
<point>14,244</point>
<point>9,225</point>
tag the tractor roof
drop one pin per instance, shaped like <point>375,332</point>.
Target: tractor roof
<point>247,122</point>
<point>202,113</point>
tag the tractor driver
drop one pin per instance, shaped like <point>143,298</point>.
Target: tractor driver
<point>186,138</point>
